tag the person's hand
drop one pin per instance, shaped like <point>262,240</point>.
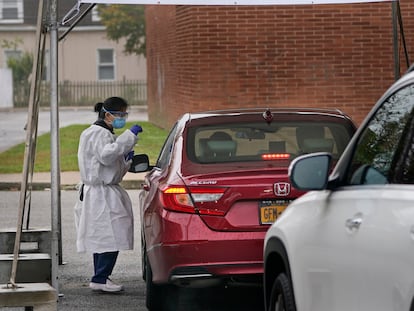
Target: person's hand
<point>129,155</point>
<point>136,129</point>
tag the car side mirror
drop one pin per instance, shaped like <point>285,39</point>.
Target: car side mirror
<point>311,171</point>
<point>140,163</point>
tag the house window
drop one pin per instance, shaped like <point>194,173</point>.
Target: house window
<point>95,14</point>
<point>11,11</point>
<point>106,64</point>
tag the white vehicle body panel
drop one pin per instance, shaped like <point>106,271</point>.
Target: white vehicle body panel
<point>337,268</point>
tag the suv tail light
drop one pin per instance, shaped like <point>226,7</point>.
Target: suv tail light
<point>182,199</point>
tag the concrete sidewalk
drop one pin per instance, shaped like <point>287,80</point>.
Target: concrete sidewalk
<point>68,181</point>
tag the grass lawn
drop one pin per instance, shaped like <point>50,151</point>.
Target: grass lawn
<point>11,161</point>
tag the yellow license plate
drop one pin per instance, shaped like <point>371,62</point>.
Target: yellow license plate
<point>269,211</point>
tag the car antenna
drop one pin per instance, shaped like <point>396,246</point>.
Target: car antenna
<point>268,115</point>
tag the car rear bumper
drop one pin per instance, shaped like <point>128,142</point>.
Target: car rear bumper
<point>235,257</point>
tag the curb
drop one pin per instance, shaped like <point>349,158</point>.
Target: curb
<point>41,186</point>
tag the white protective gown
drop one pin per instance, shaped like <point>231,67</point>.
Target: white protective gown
<point>104,219</point>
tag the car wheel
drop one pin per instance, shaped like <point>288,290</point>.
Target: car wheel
<point>155,293</point>
<point>281,298</point>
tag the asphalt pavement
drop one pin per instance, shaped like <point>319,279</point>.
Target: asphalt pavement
<point>74,275</point>
<point>75,272</point>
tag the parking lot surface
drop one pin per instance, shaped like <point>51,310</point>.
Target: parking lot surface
<point>75,272</point>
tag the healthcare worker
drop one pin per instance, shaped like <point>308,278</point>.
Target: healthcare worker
<point>103,213</point>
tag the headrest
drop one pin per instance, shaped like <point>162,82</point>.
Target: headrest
<point>317,145</point>
<point>220,136</point>
<point>277,146</point>
<point>222,146</point>
<point>309,132</point>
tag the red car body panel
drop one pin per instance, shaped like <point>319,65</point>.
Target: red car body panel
<point>223,239</point>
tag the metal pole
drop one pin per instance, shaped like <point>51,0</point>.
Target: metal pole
<point>401,24</point>
<point>396,52</point>
<point>54,143</point>
<point>31,131</point>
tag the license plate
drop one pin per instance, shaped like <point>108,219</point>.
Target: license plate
<point>270,210</point>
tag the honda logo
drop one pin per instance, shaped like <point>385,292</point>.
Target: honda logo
<point>282,189</point>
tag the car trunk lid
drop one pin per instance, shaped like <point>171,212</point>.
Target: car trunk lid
<point>245,194</point>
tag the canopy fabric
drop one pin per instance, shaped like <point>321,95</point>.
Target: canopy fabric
<point>231,2</point>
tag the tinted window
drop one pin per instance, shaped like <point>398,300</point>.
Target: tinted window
<point>165,154</point>
<point>385,150</point>
<point>261,141</point>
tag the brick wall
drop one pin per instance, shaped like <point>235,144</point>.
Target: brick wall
<point>216,57</point>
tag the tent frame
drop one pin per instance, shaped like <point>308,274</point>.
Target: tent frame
<point>53,27</point>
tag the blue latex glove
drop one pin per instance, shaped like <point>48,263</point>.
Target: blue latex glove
<point>129,155</point>
<point>136,129</point>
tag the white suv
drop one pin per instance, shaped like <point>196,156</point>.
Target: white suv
<point>350,245</point>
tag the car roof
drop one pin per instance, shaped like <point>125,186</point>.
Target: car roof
<point>279,110</point>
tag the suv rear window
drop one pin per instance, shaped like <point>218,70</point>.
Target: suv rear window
<point>240,142</point>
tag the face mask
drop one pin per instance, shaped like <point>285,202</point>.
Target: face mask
<point>118,123</point>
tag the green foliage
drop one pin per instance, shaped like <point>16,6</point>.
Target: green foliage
<point>11,161</point>
<point>11,44</point>
<point>21,67</point>
<point>125,21</point>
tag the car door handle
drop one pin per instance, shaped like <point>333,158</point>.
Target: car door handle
<point>354,222</point>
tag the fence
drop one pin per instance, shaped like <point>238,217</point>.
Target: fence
<point>84,93</point>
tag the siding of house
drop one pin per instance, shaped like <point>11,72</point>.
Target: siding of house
<point>78,58</point>
<point>77,52</point>
<point>334,56</point>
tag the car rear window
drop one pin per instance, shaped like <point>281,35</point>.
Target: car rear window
<point>235,142</point>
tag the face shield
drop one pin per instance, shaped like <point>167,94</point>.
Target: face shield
<point>119,118</point>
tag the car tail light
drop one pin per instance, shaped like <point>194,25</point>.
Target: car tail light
<point>182,199</point>
<point>275,156</point>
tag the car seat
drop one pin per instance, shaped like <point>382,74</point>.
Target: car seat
<point>219,147</point>
<point>277,146</point>
<point>311,138</point>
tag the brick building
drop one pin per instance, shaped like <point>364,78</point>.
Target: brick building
<point>215,57</point>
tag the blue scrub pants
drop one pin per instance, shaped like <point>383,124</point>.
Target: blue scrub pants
<point>103,264</point>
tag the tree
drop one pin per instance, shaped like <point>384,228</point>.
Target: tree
<point>21,67</point>
<point>11,44</point>
<point>125,21</point>
<point>20,64</point>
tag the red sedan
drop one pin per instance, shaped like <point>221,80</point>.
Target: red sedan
<point>220,180</point>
